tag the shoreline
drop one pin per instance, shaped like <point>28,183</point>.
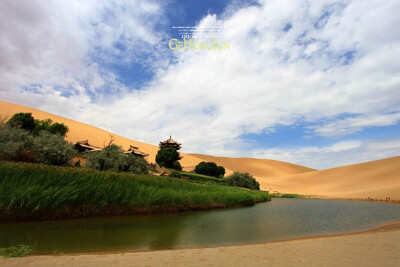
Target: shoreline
<point>377,246</point>
<point>387,227</point>
<point>394,202</point>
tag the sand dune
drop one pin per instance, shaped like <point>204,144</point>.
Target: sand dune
<point>80,131</point>
<point>379,179</point>
<point>256,167</point>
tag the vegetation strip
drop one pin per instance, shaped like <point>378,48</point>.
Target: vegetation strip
<point>17,251</point>
<point>39,192</point>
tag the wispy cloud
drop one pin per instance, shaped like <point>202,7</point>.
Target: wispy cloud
<point>335,155</point>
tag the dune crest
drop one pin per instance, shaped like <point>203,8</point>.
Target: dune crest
<point>256,167</point>
<point>378,179</point>
<point>79,131</point>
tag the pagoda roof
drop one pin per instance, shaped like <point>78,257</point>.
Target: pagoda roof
<point>135,150</point>
<point>85,144</point>
<point>170,141</point>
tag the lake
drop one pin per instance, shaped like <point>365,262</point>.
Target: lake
<point>279,219</point>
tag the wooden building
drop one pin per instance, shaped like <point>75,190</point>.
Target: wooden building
<point>170,143</point>
<point>84,146</point>
<point>135,151</point>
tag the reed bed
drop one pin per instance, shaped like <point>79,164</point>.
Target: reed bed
<point>38,192</point>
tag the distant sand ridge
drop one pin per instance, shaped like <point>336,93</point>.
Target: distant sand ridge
<point>378,179</point>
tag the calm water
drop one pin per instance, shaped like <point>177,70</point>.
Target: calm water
<point>272,221</point>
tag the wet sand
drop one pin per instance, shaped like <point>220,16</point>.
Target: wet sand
<point>377,247</point>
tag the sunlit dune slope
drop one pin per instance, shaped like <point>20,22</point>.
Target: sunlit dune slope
<point>256,167</point>
<point>378,179</point>
<point>80,131</point>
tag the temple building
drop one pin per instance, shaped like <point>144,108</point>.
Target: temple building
<point>135,151</point>
<point>84,146</point>
<point>171,143</point>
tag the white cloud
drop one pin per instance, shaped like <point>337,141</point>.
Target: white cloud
<point>336,155</point>
<point>337,58</point>
<point>59,43</point>
<point>355,124</point>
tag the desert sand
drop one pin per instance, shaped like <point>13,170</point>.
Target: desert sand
<point>257,167</point>
<point>98,137</point>
<point>378,179</point>
<point>80,131</point>
<point>379,247</point>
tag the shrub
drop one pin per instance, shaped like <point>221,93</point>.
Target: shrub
<point>112,158</point>
<point>14,143</point>
<point>52,149</point>
<point>168,157</point>
<point>17,250</point>
<point>210,169</point>
<point>177,166</point>
<point>175,175</point>
<point>22,120</point>
<point>243,180</point>
<point>78,163</point>
<point>137,165</point>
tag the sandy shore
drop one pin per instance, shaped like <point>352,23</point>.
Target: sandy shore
<point>378,247</point>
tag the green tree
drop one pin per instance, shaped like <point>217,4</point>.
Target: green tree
<point>242,180</point>
<point>22,120</point>
<point>42,125</point>
<point>49,126</point>
<point>168,157</point>
<point>220,171</point>
<point>210,169</point>
<point>58,128</point>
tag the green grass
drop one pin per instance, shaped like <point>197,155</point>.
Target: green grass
<point>36,192</point>
<point>203,179</point>
<point>17,250</point>
<point>280,195</point>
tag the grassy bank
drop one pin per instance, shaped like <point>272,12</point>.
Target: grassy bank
<point>280,195</point>
<point>37,192</point>
<point>203,179</point>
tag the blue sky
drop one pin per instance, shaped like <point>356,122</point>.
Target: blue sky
<point>309,82</point>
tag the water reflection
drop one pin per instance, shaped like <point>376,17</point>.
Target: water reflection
<point>272,221</point>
